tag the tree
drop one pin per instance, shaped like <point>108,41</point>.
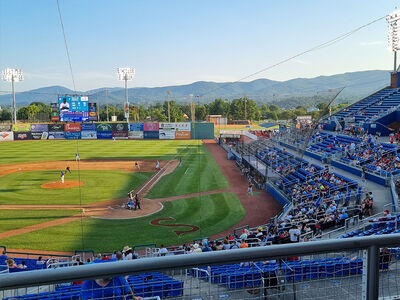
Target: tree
<point>271,115</point>
<point>22,113</point>
<point>219,107</point>
<point>286,115</point>
<point>273,107</point>
<point>5,115</point>
<point>33,110</point>
<point>201,112</point>
<point>157,115</point>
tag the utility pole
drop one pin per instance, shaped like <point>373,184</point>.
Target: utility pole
<point>169,113</point>
<point>245,107</point>
<point>192,108</point>
<point>106,90</point>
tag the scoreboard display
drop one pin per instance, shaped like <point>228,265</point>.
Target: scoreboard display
<point>73,108</point>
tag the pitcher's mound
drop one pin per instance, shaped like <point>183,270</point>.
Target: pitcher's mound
<point>59,185</point>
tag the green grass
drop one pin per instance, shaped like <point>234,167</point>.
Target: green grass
<point>14,219</point>
<point>212,213</point>
<point>24,187</point>
<point>47,150</point>
<point>199,173</point>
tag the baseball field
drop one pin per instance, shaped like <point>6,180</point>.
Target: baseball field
<point>192,196</point>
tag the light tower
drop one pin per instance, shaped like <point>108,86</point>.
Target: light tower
<point>393,20</point>
<point>13,75</point>
<point>126,74</point>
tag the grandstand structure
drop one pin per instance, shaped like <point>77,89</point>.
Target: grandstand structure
<point>378,113</point>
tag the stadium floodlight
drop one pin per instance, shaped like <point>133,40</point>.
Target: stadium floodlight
<point>126,74</point>
<point>13,75</point>
<point>393,20</point>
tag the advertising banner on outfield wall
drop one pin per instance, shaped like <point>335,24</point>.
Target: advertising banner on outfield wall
<point>135,135</point>
<point>118,127</point>
<point>182,135</point>
<point>56,127</point>
<point>104,127</point>
<point>39,127</point>
<point>150,126</point>
<point>150,134</point>
<point>75,127</point>
<point>5,128</point>
<point>19,136</point>
<point>40,135</point>
<point>72,135</point>
<point>104,135</point>
<point>21,127</point>
<point>120,135</point>
<point>56,135</point>
<point>166,125</point>
<point>6,136</point>
<point>135,126</point>
<point>166,134</point>
<point>89,135</point>
<point>183,126</point>
<point>88,127</point>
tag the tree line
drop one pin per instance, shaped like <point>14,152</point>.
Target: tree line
<point>236,109</point>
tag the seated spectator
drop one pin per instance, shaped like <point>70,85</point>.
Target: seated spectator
<point>163,251</point>
<point>243,244</point>
<point>23,265</point>
<point>11,264</point>
<point>116,288</point>
<point>196,248</point>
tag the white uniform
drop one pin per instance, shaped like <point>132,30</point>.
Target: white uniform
<point>157,165</point>
<point>77,157</point>
<point>62,178</point>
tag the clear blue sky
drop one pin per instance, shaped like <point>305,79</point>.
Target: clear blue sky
<point>179,42</point>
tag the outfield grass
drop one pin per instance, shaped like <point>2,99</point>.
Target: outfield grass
<point>51,150</point>
<point>14,219</point>
<point>212,213</point>
<point>99,185</point>
<point>199,173</point>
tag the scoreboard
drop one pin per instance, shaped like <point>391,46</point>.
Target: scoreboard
<point>75,109</point>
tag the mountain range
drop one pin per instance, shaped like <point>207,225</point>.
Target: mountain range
<point>299,91</point>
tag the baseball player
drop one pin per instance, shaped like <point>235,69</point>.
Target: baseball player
<point>77,157</point>
<point>62,177</point>
<point>157,165</point>
<point>137,165</point>
<point>68,169</point>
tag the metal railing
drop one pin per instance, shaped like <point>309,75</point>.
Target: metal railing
<point>366,285</point>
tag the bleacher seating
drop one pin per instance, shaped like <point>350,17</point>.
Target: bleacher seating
<point>250,275</point>
<point>143,285</point>
<point>372,106</point>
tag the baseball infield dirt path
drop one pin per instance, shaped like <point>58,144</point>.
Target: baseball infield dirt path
<point>259,208</point>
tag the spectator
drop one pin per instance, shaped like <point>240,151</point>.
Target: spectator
<point>243,244</point>
<point>163,251</point>
<point>11,264</point>
<point>294,234</point>
<point>23,265</point>
<point>116,288</point>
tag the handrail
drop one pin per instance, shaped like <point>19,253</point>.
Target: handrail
<point>106,270</point>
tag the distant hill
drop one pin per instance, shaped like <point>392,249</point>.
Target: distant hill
<point>299,91</point>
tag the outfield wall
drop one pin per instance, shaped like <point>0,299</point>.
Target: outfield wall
<point>104,131</point>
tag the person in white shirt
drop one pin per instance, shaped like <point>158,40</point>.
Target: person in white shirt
<point>64,106</point>
<point>294,233</point>
<point>163,251</point>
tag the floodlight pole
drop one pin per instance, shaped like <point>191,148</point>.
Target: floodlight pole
<point>14,106</point>
<point>126,97</point>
